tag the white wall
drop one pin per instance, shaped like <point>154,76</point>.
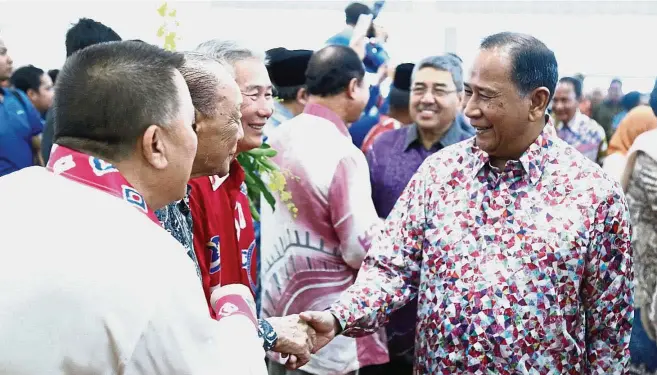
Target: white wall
<point>597,45</point>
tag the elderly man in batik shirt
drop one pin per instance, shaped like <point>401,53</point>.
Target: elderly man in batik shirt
<point>517,247</point>
<point>574,127</point>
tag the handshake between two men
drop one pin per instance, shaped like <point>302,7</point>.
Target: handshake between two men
<point>299,335</point>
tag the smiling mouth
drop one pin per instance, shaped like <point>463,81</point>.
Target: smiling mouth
<point>482,130</point>
<point>257,127</point>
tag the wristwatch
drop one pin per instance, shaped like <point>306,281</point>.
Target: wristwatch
<point>267,334</point>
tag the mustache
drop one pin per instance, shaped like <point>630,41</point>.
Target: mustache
<point>422,107</point>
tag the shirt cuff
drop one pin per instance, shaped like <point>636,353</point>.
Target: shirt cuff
<point>340,313</point>
<point>268,335</point>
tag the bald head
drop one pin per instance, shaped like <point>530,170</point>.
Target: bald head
<point>209,82</point>
<point>331,69</point>
<point>217,100</point>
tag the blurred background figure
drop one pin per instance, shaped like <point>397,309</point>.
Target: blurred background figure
<point>574,127</point>
<point>86,32</point>
<point>287,71</point>
<point>37,85</point>
<point>396,105</point>
<point>629,101</point>
<point>53,75</point>
<point>609,107</point>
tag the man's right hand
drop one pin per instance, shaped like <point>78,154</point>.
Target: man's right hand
<point>295,338</point>
<point>326,327</point>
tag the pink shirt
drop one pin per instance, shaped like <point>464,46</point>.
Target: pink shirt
<point>309,260</point>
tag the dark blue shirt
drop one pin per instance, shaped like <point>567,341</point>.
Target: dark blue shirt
<point>19,122</point>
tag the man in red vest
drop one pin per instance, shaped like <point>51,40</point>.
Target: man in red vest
<point>224,238</point>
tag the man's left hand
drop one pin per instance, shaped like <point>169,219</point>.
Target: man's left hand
<point>295,338</point>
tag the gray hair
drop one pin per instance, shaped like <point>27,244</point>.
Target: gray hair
<point>447,63</point>
<point>203,76</point>
<point>230,51</point>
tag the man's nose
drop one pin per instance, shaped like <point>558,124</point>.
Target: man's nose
<point>471,110</point>
<point>267,110</point>
<point>428,98</point>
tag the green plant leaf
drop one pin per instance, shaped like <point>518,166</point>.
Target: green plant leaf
<point>262,188</point>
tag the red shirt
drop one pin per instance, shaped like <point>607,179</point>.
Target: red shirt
<point>224,244</point>
<point>385,124</point>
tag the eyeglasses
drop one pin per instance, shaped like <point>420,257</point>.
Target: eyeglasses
<point>438,93</point>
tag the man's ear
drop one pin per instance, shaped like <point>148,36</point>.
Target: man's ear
<point>32,94</point>
<point>539,100</point>
<point>153,147</point>
<point>302,96</point>
<point>200,120</point>
<point>352,88</point>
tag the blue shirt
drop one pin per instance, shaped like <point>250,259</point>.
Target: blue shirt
<point>19,122</point>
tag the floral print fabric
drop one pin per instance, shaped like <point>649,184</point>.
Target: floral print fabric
<point>526,270</point>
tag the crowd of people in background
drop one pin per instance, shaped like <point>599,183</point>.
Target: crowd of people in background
<point>436,218</point>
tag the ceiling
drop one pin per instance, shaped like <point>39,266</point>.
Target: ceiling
<point>600,7</point>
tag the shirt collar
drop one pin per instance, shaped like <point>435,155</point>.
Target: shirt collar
<point>533,160</point>
<point>573,124</point>
<point>454,134</point>
<point>183,204</point>
<point>98,174</point>
<point>327,114</point>
<point>236,175</point>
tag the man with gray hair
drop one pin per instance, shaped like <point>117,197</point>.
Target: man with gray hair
<point>517,248</point>
<point>435,102</point>
<point>434,105</point>
<point>224,237</point>
<point>217,101</point>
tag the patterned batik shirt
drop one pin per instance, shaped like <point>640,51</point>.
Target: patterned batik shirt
<point>526,270</point>
<point>176,218</point>
<point>586,135</point>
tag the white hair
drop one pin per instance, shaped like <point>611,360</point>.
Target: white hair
<point>230,51</point>
<point>203,74</point>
